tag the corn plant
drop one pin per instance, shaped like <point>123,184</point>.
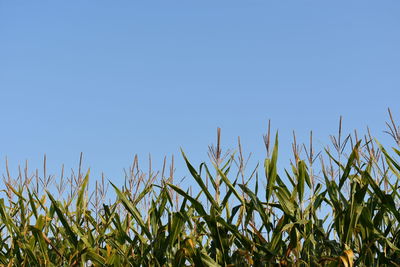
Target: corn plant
<point>339,207</point>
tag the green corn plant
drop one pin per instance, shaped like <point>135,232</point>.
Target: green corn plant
<point>344,213</point>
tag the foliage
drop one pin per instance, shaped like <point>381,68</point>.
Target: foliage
<point>344,213</point>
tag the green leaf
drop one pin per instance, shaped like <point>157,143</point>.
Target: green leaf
<point>133,211</point>
<point>288,205</point>
<point>80,204</point>
<point>196,204</point>
<point>349,165</point>
<point>270,166</point>
<point>199,181</point>
<point>70,234</point>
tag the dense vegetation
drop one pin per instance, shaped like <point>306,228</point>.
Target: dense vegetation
<point>337,207</point>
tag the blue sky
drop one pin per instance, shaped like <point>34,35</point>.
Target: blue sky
<point>116,78</point>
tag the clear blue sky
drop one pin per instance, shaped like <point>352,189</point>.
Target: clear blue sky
<point>116,78</point>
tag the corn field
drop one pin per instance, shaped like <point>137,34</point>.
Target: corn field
<point>336,207</point>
